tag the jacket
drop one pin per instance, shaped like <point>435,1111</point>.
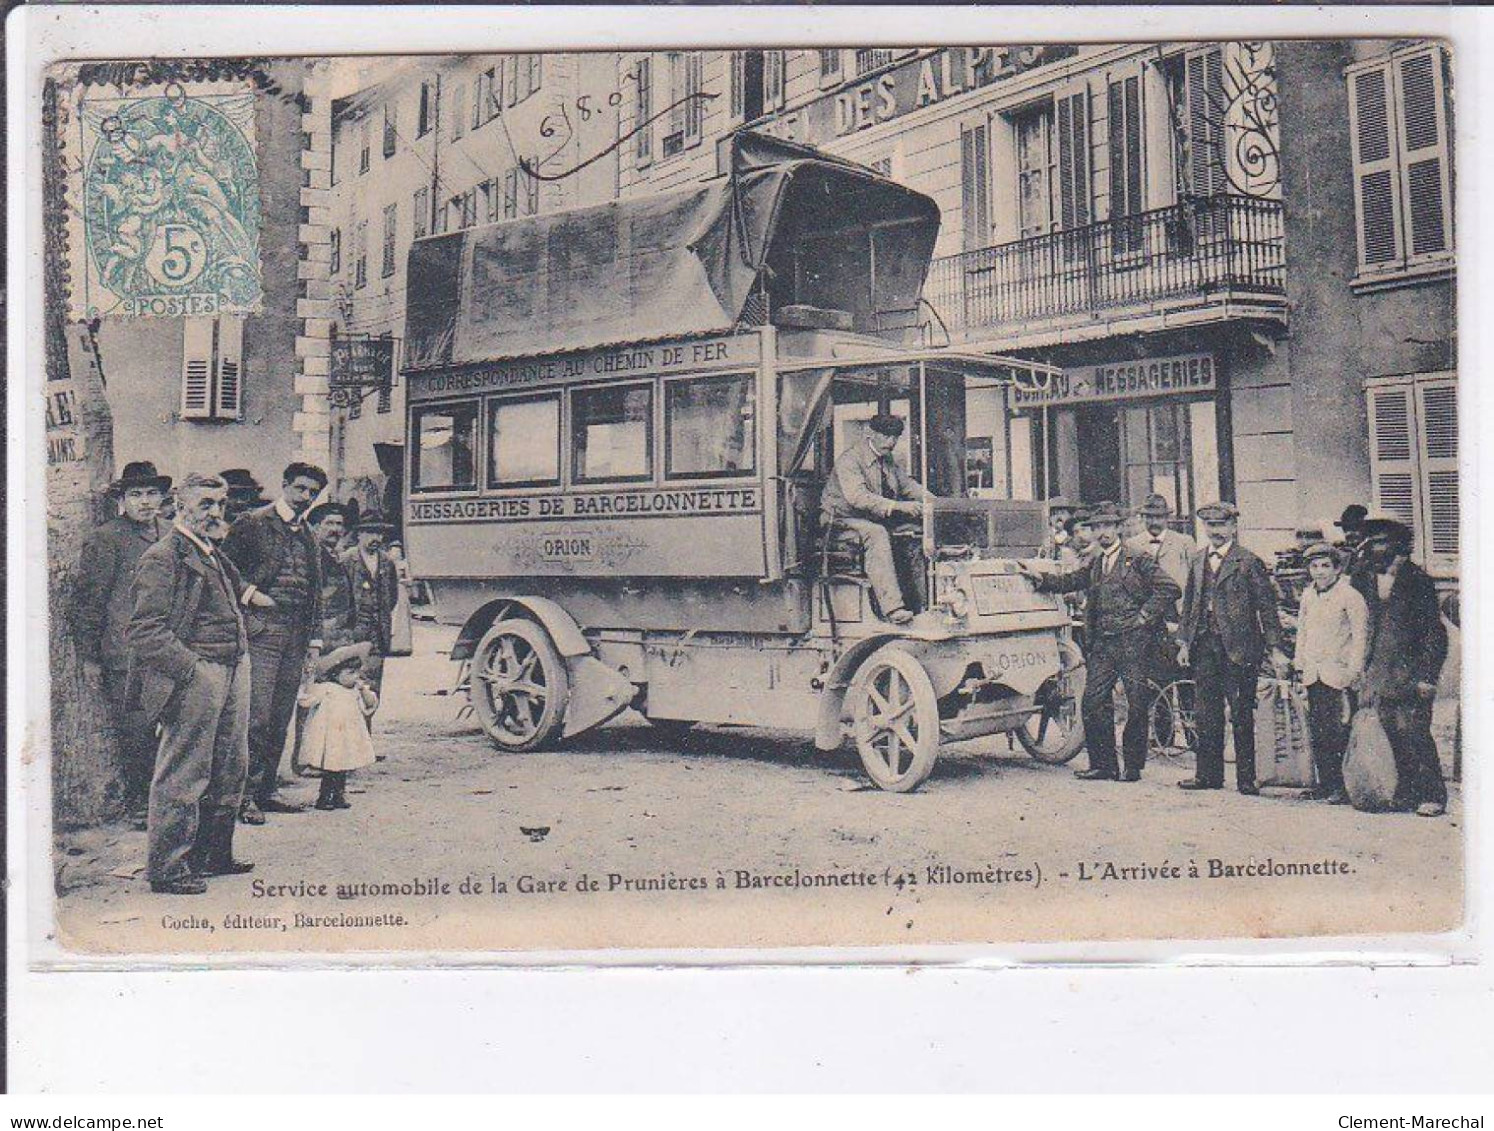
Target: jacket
<point>1175,555</point>
<point>854,489</point>
<point>339,616</point>
<point>1244,606</point>
<point>381,588</point>
<point>103,597</point>
<point>1408,643</point>
<point>1145,593</point>
<point>168,588</point>
<point>256,542</point>
<point>1332,635</point>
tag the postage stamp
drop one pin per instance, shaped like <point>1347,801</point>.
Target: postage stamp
<point>163,201</point>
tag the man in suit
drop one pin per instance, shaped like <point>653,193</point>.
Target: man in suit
<point>104,601</point>
<point>189,670</point>
<point>1229,621</point>
<point>1127,597</point>
<point>328,523</point>
<point>375,591</point>
<point>1408,646</point>
<point>865,491</point>
<point>281,566</point>
<point>1164,545</point>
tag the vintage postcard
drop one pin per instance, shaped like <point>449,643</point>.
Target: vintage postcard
<point>751,498</point>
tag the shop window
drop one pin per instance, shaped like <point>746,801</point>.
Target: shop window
<point>524,442</point>
<point>612,433</point>
<point>212,368</point>
<point>444,458</point>
<point>710,427</point>
<point>1414,461</point>
<point>1156,458</point>
<point>1399,130</point>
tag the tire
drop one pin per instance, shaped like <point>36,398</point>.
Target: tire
<point>520,686</point>
<point>1060,697</point>
<point>1173,732</point>
<point>895,719</point>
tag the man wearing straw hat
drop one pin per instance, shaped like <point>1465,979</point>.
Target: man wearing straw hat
<point>104,600</point>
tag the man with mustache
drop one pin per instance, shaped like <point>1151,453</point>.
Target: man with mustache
<point>189,670</point>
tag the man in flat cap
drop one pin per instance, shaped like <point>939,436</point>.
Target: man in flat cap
<point>281,567</point>
<point>1408,646</point>
<point>103,602</point>
<point>1127,598</point>
<point>1332,637</point>
<point>1229,621</point>
<point>864,493</point>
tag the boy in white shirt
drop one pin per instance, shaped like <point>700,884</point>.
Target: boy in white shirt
<point>1332,638</point>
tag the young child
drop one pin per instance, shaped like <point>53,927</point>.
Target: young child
<point>335,739</point>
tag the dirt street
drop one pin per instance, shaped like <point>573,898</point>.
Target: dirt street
<point>632,837</point>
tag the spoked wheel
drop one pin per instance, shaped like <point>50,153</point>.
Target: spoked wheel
<point>1173,733</point>
<point>895,718</point>
<point>1055,734</point>
<point>520,685</point>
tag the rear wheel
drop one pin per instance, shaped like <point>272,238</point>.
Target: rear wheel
<point>1173,731</point>
<point>895,719</point>
<point>1055,733</point>
<point>520,685</point>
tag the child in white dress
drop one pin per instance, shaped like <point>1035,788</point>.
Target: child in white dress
<point>335,737</point>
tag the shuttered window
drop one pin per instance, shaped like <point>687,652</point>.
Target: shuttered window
<point>1398,125</point>
<point>1123,106</point>
<point>1073,160</point>
<point>1204,91</point>
<point>212,368</point>
<point>772,80</point>
<point>1414,461</point>
<point>975,181</point>
<point>644,110</point>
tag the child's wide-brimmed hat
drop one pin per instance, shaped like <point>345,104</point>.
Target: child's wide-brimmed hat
<point>342,657</point>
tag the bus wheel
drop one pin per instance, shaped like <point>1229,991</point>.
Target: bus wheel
<point>895,719</point>
<point>1055,734</point>
<point>520,685</point>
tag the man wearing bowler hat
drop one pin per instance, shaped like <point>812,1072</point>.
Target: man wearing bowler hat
<point>1159,541</point>
<point>375,589</point>
<point>103,603</point>
<point>1229,621</point>
<point>1408,646</point>
<point>1127,598</point>
<point>864,493</point>
<point>1356,568</point>
<point>328,523</point>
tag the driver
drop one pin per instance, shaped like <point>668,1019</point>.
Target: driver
<point>864,493</point>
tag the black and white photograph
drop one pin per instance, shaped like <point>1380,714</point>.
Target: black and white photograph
<point>754,498</point>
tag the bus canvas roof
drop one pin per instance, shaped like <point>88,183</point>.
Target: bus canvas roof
<point>675,264</point>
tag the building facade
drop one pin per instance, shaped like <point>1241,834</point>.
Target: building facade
<point>1240,254</point>
<point>442,145</point>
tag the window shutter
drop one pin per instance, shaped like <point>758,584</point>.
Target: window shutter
<point>1124,111</point>
<point>695,108</point>
<point>197,368</point>
<point>1073,160</point>
<point>974,187</point>
<point>1206,103</point>
<point>1437,407</point>
<point>1375,195</point>
<point>1423,140</point>
<point>738,84</point>
<point>645,110</point>
<point>1393,455</point>
<point>230,396</point>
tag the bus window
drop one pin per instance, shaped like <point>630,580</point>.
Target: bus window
<point>445,448</point>
<point>524,442</point>
<point>612,433</point>
<point>710,426</point>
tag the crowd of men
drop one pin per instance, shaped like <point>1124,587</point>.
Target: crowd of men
<point>198,634</point>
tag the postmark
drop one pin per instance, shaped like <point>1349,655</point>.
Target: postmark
<point>164,202</point>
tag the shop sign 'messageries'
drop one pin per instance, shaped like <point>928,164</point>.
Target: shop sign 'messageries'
<point>1148,377</point>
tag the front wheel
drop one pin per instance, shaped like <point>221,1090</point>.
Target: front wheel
<point>520,685</point>
<point>1054,734</point>
<point>895,719</point>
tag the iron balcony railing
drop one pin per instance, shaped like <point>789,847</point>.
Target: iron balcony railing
<point>1206,247</point>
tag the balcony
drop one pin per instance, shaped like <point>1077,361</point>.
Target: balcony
<point>1206,259</point>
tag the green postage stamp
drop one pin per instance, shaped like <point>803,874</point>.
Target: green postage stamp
<point>163,201</point>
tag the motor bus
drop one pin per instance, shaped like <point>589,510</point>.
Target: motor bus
<point>620,422</point>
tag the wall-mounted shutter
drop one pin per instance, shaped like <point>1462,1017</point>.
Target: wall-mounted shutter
<point>738,84</point>
<point>1437,407</point>
<point>695,108</point>
<point>1206,105</point>
<point>1374,167</point>
<point>1393,452</point>
<point>1425,183</point>
<point>975,190</point>
<point>197,368</point>
<point>1073,160</point>
<point>230,394</point>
